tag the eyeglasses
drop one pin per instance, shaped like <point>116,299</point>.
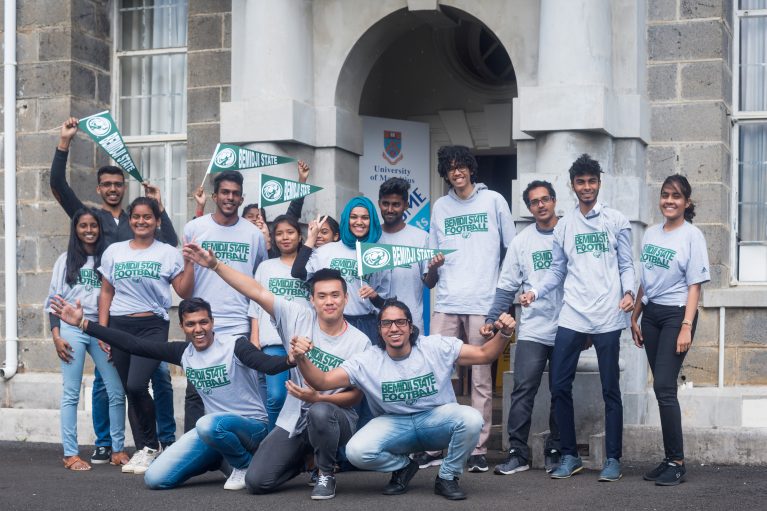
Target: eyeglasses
<point>387,323</point>
<point>455,170</point>
<point>543,200</point>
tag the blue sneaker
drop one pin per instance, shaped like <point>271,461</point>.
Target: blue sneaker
<point>611,471</point>
<point>569,465</point>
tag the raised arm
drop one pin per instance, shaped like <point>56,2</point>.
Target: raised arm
<point>183,283</point>
<point>61,190</point>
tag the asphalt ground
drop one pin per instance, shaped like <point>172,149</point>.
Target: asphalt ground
<point>32,478</point>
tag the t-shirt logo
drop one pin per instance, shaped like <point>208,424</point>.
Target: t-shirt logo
<point>653,255</point>
<point>347,267</point>
<point>542,260</point>
<point>324,360</point>
<point>136,270</point>
<point>208,378</point>
<point>464,225</point>
<point>408,391</point>
<point>288,288</point>
<point>89,278</point>
<point>228,250</point>
<point>594,243</point>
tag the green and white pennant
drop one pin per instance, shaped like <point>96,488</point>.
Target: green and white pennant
<point>101,127</point>
<point>276,190</point>
<point>373,257</point>
<point>233,157</point>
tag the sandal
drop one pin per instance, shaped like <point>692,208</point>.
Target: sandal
<point>76,463</point>
<point>119,458</point>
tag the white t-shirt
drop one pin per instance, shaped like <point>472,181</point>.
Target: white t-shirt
<point>476,227</point>
<point>671,262</point>
<point>419,382</point>
<point>86,289</point>
<point>240,246</point>
<point>141,278</point>
<point>274,275</point>
<point>406,281</point>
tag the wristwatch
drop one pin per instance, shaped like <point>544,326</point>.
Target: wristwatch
<point>630,293</point>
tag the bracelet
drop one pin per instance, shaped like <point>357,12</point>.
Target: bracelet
<point>215,267</point>
<point>509,336</point>
<point>81,326</point>
<point>686,322</point>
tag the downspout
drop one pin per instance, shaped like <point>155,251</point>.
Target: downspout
<point>9,123</point>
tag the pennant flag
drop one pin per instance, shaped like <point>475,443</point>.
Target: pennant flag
<point>373,257</point>
<point>275,190</point>
<point>103,130</point>
<point>233,157</point>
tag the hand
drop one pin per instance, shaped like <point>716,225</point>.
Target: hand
<point>487,331</point>
<point>153,192</point>
<point>505,324</point>
<point>636,334</point>
<point>627,303</point>
<point>66,312</point>
<point>106,348</point>
<point>300,346</point>
<point>195,253</point>
<point>684,339</point>
<point>303,171</point>
<point>265,231</point>
<point>63,349</point>
<point>525,299</point>
<point>68,132</point>
<point>436,261</point>
<point>314,230</point>
<point>306,394</point>
<point>200,198</point>
<point>368,292</point>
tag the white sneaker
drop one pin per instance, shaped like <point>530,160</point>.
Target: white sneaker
<point>146,460</point>
<point>236,480</point>
<point>134,462</point>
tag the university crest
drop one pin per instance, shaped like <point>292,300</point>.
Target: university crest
<point>392,146</point>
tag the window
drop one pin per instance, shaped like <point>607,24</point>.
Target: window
<point>149,77</point>
<point>750,139</point>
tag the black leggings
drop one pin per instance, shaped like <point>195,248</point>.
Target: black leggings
<point>660,329</point>
<point>135,373</point>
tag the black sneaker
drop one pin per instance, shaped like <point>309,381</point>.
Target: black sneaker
<point>325,487</point>
<point>477,463</point>
<point>514,463</point>
<point>400,479</point>
<point>101,455</point>
<point>551,460</point>
<point>426,460</point>
<point>653,474</point>
<point>673,475</point>
<point>449,489</point>
<point>313,476</point>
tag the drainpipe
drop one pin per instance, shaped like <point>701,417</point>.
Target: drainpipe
<point>720,371</point>
<point>11,306</point>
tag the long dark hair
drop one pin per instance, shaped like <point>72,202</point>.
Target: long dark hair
<point>393,302</point>
<point>76,254</point>
<point>681,183</point>
<point>291,221</point>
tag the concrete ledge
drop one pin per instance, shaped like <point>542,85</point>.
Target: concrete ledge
<point>742,296</point>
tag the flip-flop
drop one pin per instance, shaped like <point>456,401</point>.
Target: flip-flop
<point>72,464</point>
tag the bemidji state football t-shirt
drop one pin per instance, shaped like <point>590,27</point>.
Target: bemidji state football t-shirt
<point>86,289</point>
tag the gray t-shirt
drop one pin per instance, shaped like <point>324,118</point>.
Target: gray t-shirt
<point>274,275</point>
<point>476,227</point>
<point>406,281</point>
<point>419,382</point>
<point>86,289</point>
<point>671,262</point>
<point>527,260</point>
<point>240,246</point>
<point>338,256</point>
<point>224,383</point>
<point>141,278</point>
<point>329,352</point>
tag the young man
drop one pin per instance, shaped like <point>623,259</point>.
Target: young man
<point>407,384</point>
<point>240,245</point>
<point>115,225</point>
<point>592,255</point>
<point>310,421</point>
<point>406,282</point>
<point>527,260</point>
<point>477,222</point>
<point>222,368</point>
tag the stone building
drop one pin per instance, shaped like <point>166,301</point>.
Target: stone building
<point>648,87</point>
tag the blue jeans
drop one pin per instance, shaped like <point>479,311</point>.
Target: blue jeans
<point>72,374</point>
<point>564,361</point>
<point>275,386</point>
<point>100,411</point>
<point>385,442</point>
<point>216,436</point>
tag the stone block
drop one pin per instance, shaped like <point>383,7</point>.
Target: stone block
<point>27,46</point>
<point>39,355</point>
<point>91,50</point>
<point>55,44</point>
<point>26,115</point>
<point>744,327</point>
<point>201,139</point>
<point>83,182</point>
<point>205,32</point>
<point>720,276</point>
<point>35,149</point>
<point>43,79</point>
<point>751,365</point>
<point>226,94</point>
<point>707,328</point>
<point>42,12</point>
<point>705,163</point>
<point>714,200</point>
<point>203,105</point>
<point>41,218</point>
<point>227,42</point>
<point>209,6</point>
<point>701,365</point>
<point>83,81</point>
<point>50,248</point>
<point>661,10</point>
<point>33,287</point>
<point>52,112</point>
<point>661,82</point>
<point>31,321</point>
<point>26,254</point>
<point>687,41</point>
<point>208,68</point>
<point>103,88</point>
<point>718,241</point>
<point>662,161</point>
<point>27,184</point>
<point>84,15</point>
<point>691,9</point>
<point>706,80</point>
<point>690,122</point>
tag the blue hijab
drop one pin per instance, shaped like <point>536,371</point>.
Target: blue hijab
<point>374,233</point>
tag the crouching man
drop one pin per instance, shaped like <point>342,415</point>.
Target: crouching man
<point>407,384</point>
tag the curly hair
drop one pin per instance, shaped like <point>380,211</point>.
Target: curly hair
<point>585,165</point>
<point>454,157</point>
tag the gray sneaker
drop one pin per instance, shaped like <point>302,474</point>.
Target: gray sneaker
<point>325,487</point>
<point>569,466</point>
<point>611,471</point>
<point>513,464</point>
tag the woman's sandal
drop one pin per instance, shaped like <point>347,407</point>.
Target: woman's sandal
<point>76,463</point>
<point>119,458</point>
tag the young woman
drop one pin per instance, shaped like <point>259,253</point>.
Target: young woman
<point>674,265</point>
<point>135,297</point>
<point>75,279</point>
<point>359,222</point>
<point>274,274</point>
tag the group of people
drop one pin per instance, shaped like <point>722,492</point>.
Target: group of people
<point>296,363</point>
